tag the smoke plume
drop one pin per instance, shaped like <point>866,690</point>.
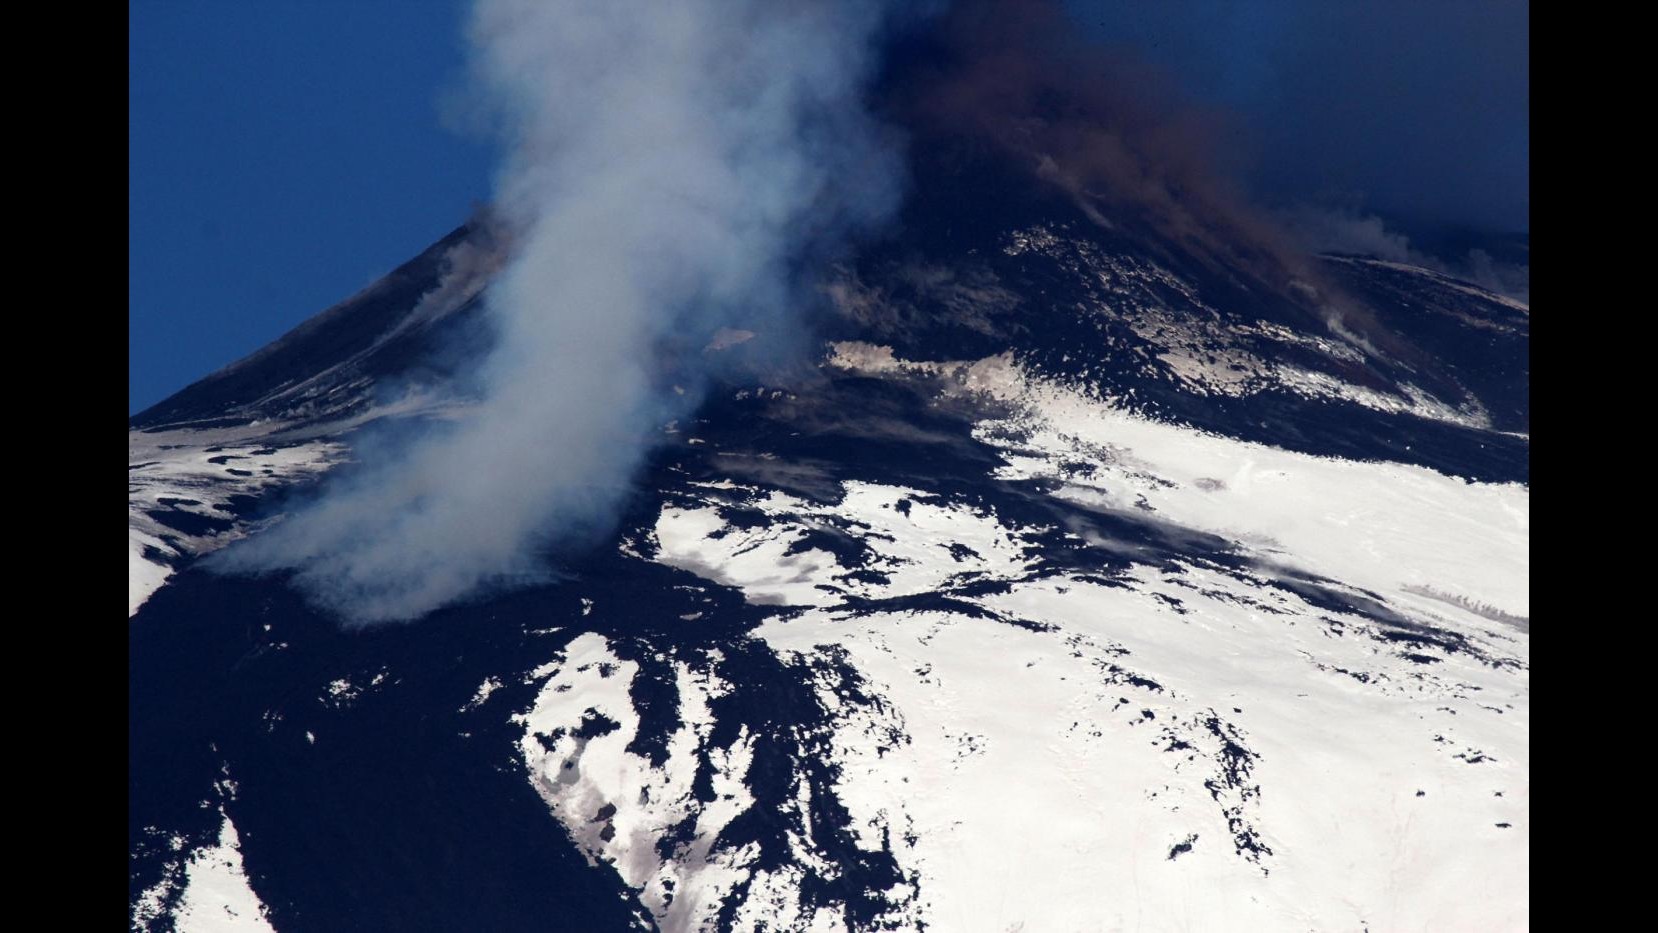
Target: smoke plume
<point>673,168</point>
<point>1345,229</point>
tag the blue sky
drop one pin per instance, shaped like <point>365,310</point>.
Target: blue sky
<point>282,156</point>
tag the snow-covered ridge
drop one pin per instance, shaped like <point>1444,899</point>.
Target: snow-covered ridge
<point>184,490</point>
<point>1442,279</point>
<point>1205,352</point>
<point>189,485</point>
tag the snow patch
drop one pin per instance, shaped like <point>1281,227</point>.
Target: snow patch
<point>203,891</point>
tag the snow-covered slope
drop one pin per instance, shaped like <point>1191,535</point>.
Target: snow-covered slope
<point>1071,586</point>
<point>1175,744</point>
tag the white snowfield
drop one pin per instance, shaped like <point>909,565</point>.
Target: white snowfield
<point>1186,747</point>
<point>1387,527</point>
<point>216,893</point>
<point>583,777</point>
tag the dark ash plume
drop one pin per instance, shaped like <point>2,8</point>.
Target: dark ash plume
<point>1103,126</point>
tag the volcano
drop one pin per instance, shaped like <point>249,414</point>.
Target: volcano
<point>1076,577</point>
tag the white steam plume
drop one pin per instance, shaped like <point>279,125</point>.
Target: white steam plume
<point>672,164</point>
